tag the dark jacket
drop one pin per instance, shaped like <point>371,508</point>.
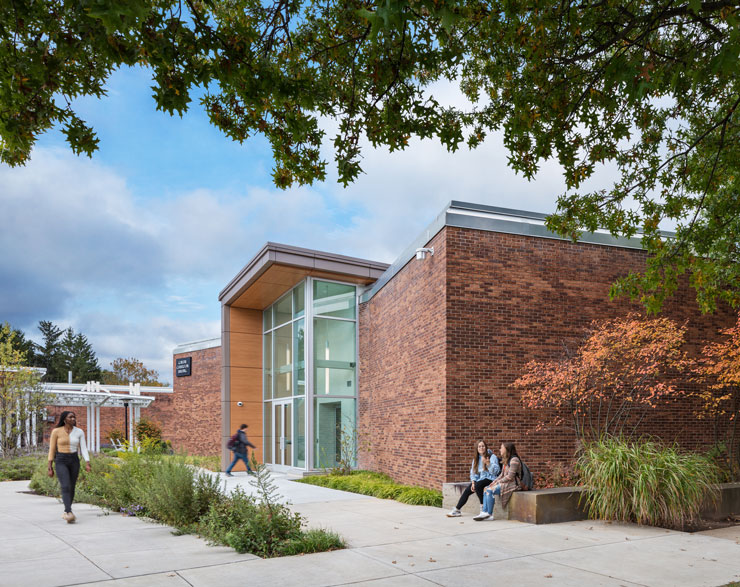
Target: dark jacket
<point>242,442</point>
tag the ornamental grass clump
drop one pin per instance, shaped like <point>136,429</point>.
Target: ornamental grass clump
<point>645,482</point>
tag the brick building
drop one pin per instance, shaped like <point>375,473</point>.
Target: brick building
<point>418,356</point>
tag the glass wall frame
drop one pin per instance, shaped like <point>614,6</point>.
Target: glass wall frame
<point>324,313</point>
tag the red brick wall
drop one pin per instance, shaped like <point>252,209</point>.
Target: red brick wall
<point>441,343</point>
<point>512,299</point>
<point>192,419</point>
<point>401,388</point>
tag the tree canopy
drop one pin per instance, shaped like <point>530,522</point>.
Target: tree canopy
<point>652,87</point>
<point>125,370</point>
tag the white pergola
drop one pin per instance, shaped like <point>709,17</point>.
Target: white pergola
<point>94,396</point>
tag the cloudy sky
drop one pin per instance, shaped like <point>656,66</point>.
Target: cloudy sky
<point>132,247</point>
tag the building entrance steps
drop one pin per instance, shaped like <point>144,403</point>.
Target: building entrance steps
<point>390,543</point>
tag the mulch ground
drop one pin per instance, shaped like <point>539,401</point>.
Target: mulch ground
<point>701,525</point>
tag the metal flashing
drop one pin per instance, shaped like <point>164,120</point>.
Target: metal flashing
<point>494,219</point>
<point>197,345</point>
<point>309,259</point>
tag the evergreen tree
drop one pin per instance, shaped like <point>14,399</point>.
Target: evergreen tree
<point>48,352</point>
<point>78,356</point>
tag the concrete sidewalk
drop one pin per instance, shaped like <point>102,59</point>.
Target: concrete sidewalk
<point>390,544</point>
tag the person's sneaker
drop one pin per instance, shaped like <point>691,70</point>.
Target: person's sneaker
<point>70,518</point>
<point>229,475</point>
<point>455,513</point>
<point>483,516</point>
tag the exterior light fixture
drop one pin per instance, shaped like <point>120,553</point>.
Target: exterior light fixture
<point>421,253</point>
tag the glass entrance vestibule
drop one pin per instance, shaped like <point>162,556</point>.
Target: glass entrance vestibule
<point>310,375</point>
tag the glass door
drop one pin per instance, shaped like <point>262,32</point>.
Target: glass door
<point>282,440</point>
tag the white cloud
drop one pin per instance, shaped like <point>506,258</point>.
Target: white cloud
<point>139,276</point>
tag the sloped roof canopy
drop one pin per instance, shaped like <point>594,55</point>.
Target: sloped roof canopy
<point>277,268</point>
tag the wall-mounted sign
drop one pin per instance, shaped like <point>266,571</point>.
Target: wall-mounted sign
<point>182,366</point>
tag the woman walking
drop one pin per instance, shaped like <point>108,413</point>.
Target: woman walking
<point>483,471</point>
<point>505,484</point>
<point>65,440</point>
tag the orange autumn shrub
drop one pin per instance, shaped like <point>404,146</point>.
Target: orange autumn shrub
<point>623,369</point>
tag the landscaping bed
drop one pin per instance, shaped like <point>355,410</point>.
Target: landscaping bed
<point>376,485</point>
<point>171,491</point>
<point>20,468</point>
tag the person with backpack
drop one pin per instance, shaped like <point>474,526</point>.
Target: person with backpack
<point>505,484</point>
<point>483,471</point>
<point>239,443</point>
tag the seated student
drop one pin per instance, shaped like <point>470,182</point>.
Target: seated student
<point>505,484</point>
<point>483,471</point>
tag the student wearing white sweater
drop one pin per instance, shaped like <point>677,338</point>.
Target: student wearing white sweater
<point>66,439</point>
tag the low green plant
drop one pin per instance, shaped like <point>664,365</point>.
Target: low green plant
<point>645,482</point>
<point>20,468</point>
<point>210,462</point>
<point>377,485</point>
<point>313,540</point>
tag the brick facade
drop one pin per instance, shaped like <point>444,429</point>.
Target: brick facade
<point>192,418</point>
<point>401,378</point>
<point>496,301</point>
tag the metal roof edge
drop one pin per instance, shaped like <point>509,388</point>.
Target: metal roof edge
<point>495,219</point>
<point>197,345</point>
<point>273,253</point>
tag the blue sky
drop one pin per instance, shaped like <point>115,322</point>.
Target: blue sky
<point>132,246</point>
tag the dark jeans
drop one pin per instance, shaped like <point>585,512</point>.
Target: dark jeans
<point>67,468</point>
<point>479,487</point>
<point>243,457</point>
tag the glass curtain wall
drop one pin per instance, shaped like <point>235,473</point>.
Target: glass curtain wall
<point>310,353</point>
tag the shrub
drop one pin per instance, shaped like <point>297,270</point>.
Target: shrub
<point>148,429</point>
<point>225,515</point>
<point>117,435</point>
<point>263,527</point>
<point>175,494</point>
<point>42,484</point>
<point>556,475</point>
<point>20,468</point>
<point>645,482</point>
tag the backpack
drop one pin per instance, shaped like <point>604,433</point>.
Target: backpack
<point>526,481</point>
<point>500,464</point>
<point>231,443</point>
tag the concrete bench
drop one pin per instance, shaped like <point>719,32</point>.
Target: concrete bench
<point>541,506</point>
<point>551,506</point>
<point>727,505</point>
